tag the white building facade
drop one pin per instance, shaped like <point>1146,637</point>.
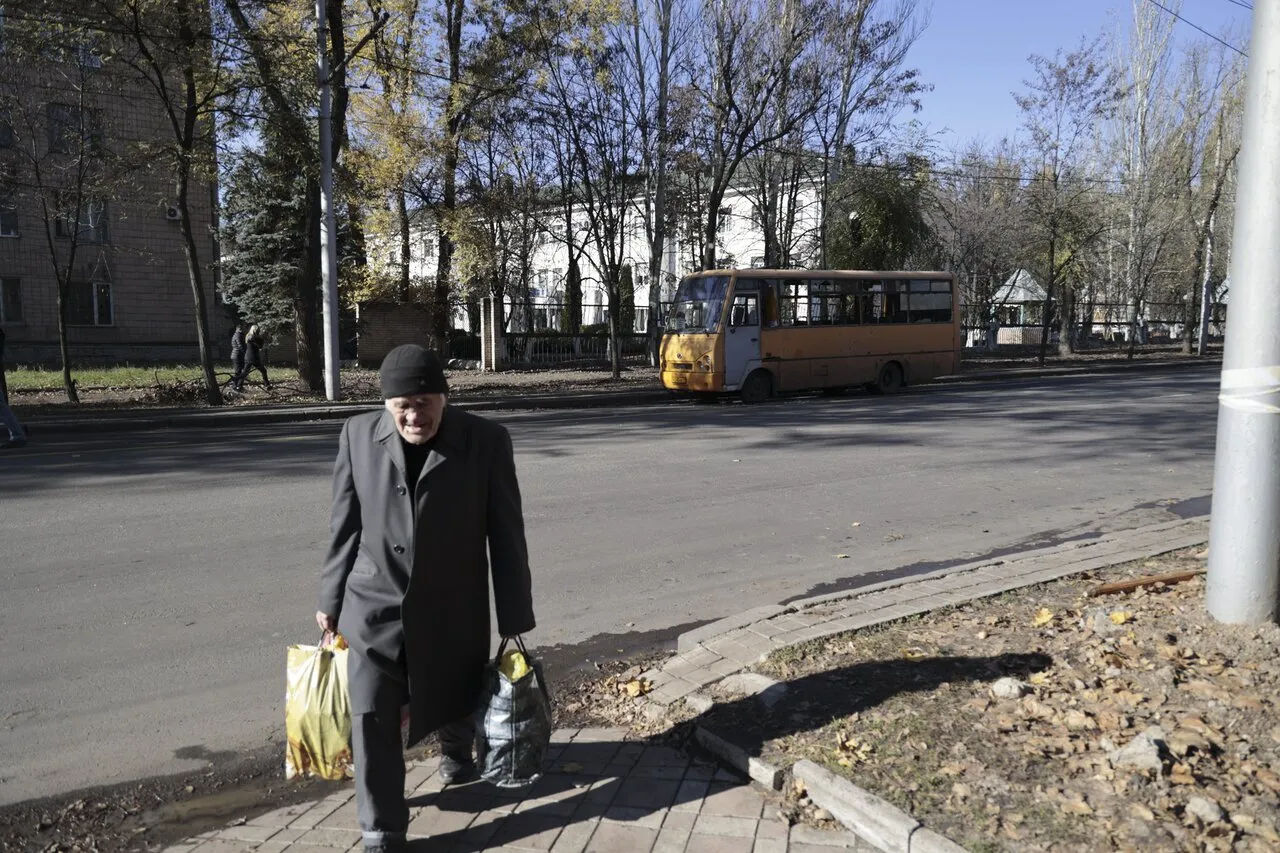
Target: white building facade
<point>740,243</point>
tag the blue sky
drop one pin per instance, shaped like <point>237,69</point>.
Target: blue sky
<point>975,52</point>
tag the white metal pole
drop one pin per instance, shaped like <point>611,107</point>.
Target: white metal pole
<point>328,229</point>
<point>1244,534</point>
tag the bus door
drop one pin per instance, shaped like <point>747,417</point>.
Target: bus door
<point>742,337</point>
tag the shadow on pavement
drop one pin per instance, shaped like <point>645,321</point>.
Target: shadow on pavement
<point>631,785</point>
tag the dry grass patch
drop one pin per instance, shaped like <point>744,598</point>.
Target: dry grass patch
<point>1045,719</point>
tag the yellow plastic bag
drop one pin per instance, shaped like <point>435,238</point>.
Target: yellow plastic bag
<point>317,712</point>
<point>513,665</point>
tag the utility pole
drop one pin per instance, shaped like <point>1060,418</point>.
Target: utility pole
<point>1244,533</point>
<point>328,227</point>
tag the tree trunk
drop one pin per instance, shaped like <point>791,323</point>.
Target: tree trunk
<point>573,296</point>
<point>615,357</point>
<point>658,245</point>
<point>306,299</point>
<point>1066,321</point>
<point>212,393</point>
<point>1047,307</point>
<point>1190,313</point>
<point>64,347</point>
<point>711,228</point>
<point>1206,291</point>
<point>438,309</point>
<point>402,223</point>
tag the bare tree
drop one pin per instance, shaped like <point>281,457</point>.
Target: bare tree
<point>56,79</point>
<point>652,53</point>
<point>753,92</point>
<point>1144,120</point>
<point>172,48</point>
<point>601,108</point>
<point>1065,99</point>
<point>977,222</point>
<point>863,48</point>
<point>1209,138</point>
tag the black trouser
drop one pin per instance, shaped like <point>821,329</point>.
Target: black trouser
<point>237,370</point>
<point>251,364</point>
<point>379,759</point>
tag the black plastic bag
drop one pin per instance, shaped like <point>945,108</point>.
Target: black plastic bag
<point>513,726</point>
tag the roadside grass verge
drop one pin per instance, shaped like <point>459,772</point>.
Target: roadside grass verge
<point>31,378</point>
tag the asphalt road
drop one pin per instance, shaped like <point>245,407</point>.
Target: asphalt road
<point>150,583</point>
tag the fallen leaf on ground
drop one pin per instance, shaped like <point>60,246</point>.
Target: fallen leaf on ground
<point>1043,617</point>
<point>1076,806</point>
<point>637,687</point>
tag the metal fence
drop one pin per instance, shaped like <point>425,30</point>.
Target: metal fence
<point>1110,325</point>
<point>528,349</point>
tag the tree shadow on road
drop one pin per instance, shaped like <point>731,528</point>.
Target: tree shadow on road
<point>1025,422</point>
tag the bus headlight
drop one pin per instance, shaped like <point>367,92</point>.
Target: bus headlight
<point>704,364</point>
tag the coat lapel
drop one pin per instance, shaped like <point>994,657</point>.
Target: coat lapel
<point>386,435</point>
<point>449,441</point>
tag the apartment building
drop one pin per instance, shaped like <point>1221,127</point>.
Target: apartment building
<point>76,123</point>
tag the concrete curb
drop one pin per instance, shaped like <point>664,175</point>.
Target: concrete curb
<point>115,421</point>
<point>217,418</point>
<point>1074,370</point>
<point>708,657</point>
<point>871,818</point>
<point>690,640</point>
<point>736,757</point>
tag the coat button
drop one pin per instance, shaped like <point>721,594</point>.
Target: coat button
<point>400,490</point>
<point>399,549</point>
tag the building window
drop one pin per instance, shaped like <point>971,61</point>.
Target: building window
<point>64,127</point>
<point>10,300</point>
<point>87,53</point>
<point>89,303</point>
<point>69,125</point>
<point>722,220</point>
<point>8,215</point>
<point>90,222</point>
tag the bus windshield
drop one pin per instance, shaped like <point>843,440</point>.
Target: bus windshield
<point>698,304</point>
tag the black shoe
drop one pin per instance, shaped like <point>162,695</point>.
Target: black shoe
<point>13,444</point>
<point>455,771</point>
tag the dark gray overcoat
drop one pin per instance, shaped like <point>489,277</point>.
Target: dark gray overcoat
<point>407,567</point>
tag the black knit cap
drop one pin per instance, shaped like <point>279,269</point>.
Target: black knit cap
<point>410,369</point>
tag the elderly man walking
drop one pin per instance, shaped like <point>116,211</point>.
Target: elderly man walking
<point>419,491</point>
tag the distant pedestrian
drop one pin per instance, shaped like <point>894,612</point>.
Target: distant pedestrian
<point>17,437</point>
<point>237,357</point>
<point>253,342</point>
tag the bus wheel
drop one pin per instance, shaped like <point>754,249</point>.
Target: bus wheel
<point>758,387</point>
<point>890,380</point>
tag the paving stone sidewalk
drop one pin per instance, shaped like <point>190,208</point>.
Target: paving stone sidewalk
<point>604,794</point>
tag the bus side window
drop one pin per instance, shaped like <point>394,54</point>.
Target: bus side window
<point>769,302</point>
<point>745,311</point>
